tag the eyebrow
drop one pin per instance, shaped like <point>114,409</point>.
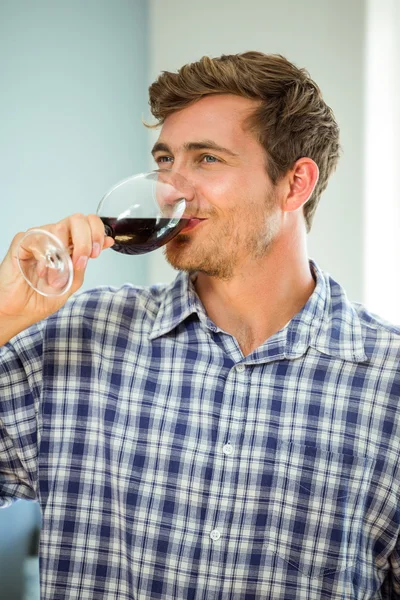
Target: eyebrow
<point>190,146</point>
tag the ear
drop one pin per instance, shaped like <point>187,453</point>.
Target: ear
<point>302,178</point>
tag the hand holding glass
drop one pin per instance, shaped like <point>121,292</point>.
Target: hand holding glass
<point>141,213</point>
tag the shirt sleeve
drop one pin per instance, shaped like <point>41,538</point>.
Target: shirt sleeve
<point>392,582</point>
<point>20,390</point>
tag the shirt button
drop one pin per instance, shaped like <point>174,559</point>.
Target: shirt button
<point>227,449</point>
<point>215,535</point>
<point>240,368</point>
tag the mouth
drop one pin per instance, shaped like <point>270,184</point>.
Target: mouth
<point>192,222</point>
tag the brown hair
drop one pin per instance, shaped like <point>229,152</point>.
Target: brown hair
<point>292,120</point>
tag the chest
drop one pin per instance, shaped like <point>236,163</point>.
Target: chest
<point>176,392</point>
<point>278,458</point>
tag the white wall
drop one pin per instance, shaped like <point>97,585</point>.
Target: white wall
<point>382,156</point>
<point>325,37</point>
<point>73,90</point>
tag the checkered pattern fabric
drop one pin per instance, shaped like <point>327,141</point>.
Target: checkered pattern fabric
<point>167,465</point>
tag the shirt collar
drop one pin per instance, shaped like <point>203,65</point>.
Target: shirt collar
<point>328,322</point>
<point>179,301</point>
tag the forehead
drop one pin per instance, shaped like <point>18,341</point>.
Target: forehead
<point>219,118</point>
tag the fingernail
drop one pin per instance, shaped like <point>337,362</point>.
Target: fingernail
<point>82,262</point>
<point>96,250</point>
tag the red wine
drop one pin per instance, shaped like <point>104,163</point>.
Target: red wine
<point>137,236</point>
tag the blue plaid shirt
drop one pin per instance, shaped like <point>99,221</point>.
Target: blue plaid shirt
<point>169,466</point>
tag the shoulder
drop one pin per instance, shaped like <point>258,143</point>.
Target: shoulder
<point>105,306</point>
<point>93,313</point>
<point>375,325</point>
<point>373,322</point>
<point>351,325</point>
<point>382,338</point>
<point>356,316</point>
<point>95,302</point>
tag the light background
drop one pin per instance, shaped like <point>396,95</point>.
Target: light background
<point>73,92</point>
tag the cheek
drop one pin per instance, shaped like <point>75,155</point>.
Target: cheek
<point>235,193</point>
<point>220,191</point>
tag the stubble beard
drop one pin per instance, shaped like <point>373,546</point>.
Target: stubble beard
<point>221,253</point>
<point>210,258</point>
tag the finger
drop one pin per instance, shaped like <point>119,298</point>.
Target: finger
<point>98,235</point>
<point>108,242</point>
<point>56,280</point>
<point>77,281</point>
<point>27,246</point>
<point>15,243</point>
<point>62,231</point>
<point>81,240</point>
<point>41,268</point>
<point>49,274</point>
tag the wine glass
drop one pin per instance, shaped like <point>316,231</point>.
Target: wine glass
<point>141,213</point>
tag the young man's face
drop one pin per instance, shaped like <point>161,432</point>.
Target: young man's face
<point>234,197</point>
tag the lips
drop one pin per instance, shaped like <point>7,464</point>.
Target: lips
<point>193,222</point>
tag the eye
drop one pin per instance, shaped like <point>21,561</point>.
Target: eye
<point>163,159</point>
<point>208,158</point>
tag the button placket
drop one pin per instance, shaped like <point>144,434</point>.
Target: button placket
<point>229,425</point>
<point>227,449</point>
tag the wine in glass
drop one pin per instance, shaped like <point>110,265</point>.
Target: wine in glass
<point>141,213</point>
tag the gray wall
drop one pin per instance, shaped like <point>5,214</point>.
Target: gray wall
<point>327,38</point>
<point>17,526</point>
<point>73,91</point>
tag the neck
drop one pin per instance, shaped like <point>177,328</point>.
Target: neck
<point>262,296</point>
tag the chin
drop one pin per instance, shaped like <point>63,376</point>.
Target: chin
<point>177,253</point>
<point>179,263</point>
<point>210,266</point>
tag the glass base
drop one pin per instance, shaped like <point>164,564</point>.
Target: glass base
<point>45,263</point>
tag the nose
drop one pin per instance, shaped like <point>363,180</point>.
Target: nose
<point>173,186</point>
<point>173,192</point>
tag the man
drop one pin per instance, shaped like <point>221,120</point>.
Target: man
<point>234,435</point>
